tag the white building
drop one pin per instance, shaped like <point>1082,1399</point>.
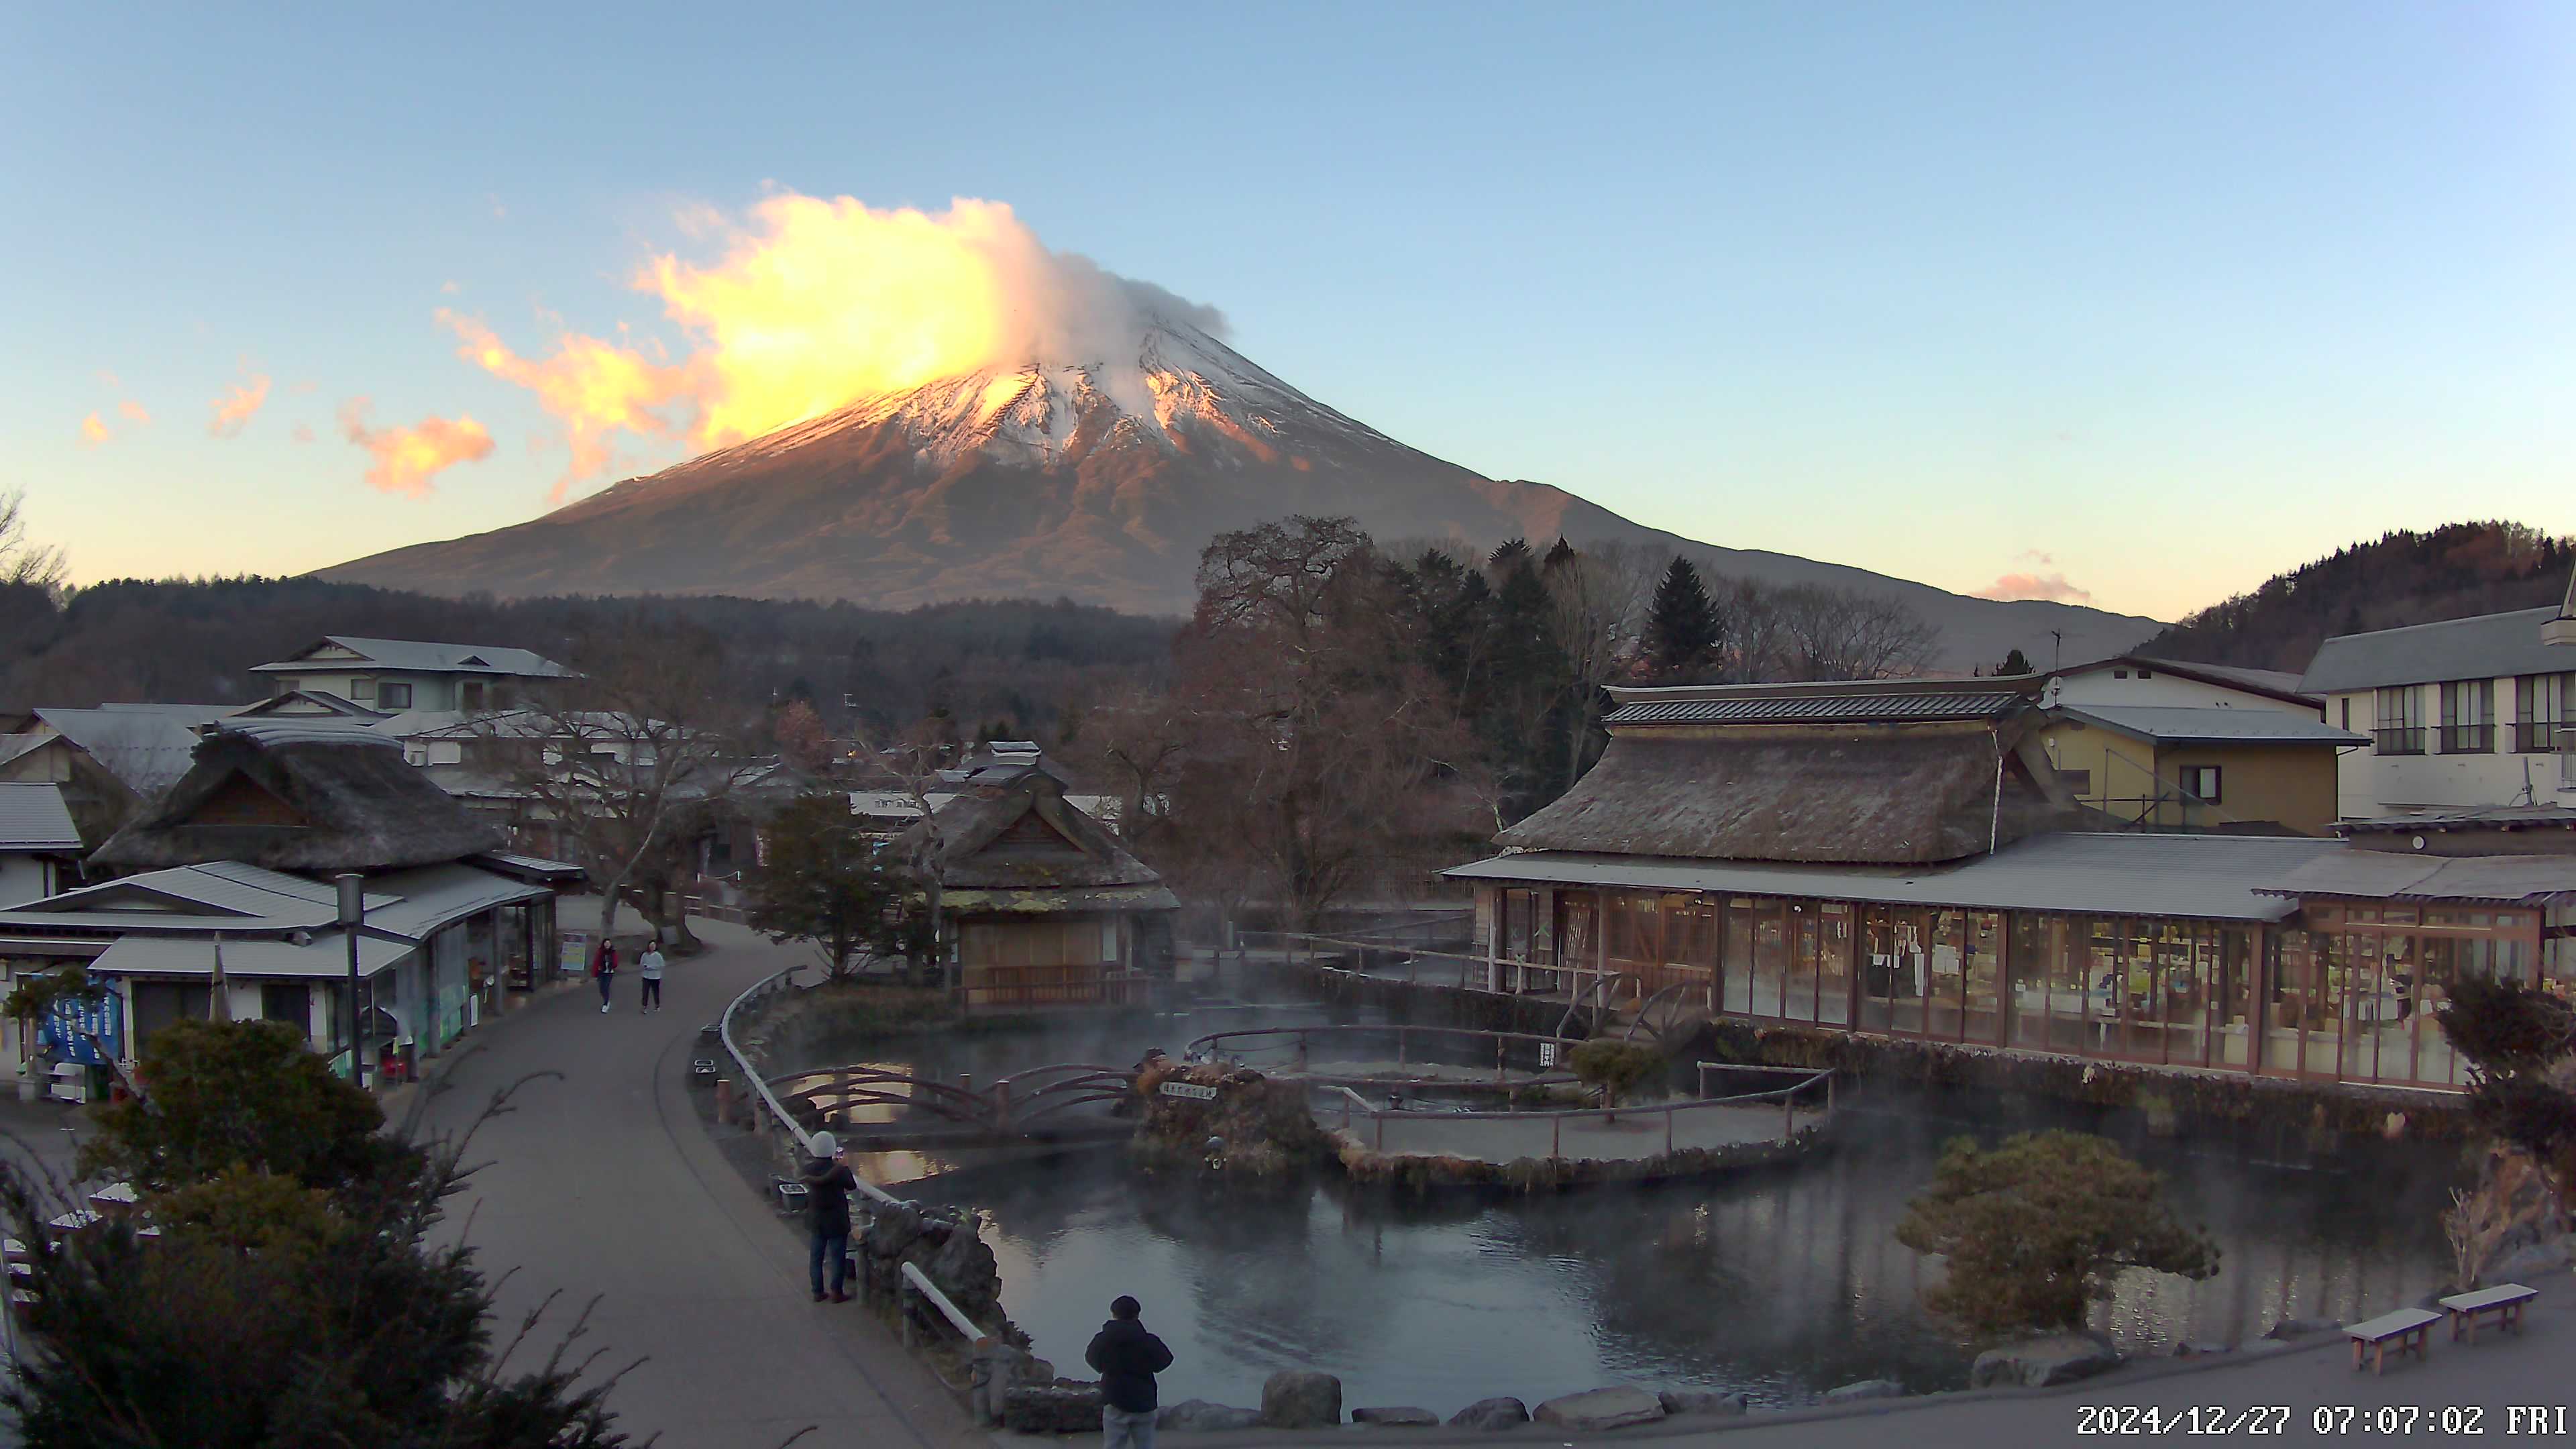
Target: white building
<point>2466,714</point>
<point>392,676</point>
<point>40,847</point>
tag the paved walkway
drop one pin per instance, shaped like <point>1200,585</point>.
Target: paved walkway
<point>603,1183</point>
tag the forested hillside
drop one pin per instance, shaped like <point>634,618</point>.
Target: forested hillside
<point>1013,664</point>
<point>2402,577</point>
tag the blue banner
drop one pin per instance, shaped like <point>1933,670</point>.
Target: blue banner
<point>74,1023</point>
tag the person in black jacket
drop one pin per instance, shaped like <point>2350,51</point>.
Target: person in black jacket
<point>828,1183</point>
<point>1127,1357</point>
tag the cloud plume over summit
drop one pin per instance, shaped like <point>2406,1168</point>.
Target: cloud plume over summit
<point>810,304</point>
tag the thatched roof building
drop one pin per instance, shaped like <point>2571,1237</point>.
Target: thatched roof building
<point>1893,773</point>
<point>300,796</point>
<point>1010,842</point>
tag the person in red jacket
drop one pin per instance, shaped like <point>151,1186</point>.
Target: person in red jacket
<point>603,964</point>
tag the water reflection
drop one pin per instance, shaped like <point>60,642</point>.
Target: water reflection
<point>1780,1284</point>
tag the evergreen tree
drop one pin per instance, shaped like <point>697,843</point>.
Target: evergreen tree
<point>2015,662</point>
<point>1682,626</point>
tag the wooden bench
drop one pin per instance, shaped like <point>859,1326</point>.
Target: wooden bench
<point>2504,1300</point>
<point>2407,1328</point>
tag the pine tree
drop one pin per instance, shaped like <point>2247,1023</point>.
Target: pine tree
<point>2015,663</point>
<point>1682,627</point>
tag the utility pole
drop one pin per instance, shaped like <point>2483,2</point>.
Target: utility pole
<point>353,914</point>
<point>2056,649</point>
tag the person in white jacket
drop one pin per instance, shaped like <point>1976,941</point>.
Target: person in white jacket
<point>649,966</point>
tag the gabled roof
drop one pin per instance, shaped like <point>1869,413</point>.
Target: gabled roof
<point>303,796</point>
<point>216,896</point>
<point>2276,683</point>
<point>2204,725</point>
<point>2485,646</point>
<point>34,818</point>
<point>312,702</point>
<point>147,748</point>
<point>1850,793</point>
<point>1020,835</point>
<point>411,656</point>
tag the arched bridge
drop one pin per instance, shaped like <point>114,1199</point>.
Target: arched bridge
<point>875,1108</point>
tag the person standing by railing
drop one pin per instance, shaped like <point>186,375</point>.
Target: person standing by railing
<point>1127,1357</point>
<point>828,1184</point>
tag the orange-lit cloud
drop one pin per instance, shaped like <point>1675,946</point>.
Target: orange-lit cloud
<point>93,431</point>
<point>303,433</point>
<point>813,304</point>
<point>2051,586</point>
<point>234,409</point>
<point>407,458</point>
<point>134,412</point>
<point>595,388</point>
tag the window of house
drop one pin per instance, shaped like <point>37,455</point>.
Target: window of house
<point>2468,717</point>
<point>2397,720</point>
<point>2540,707</point>
<point>2079,781</point>
<point>2201,782</point>
<point>2346,702</point>
<point>362,690</point>
<point>2119,674</point>
<point>288,684</point>
<point>469,695</point>
<point>390,695</point>
<point>2146,674</point>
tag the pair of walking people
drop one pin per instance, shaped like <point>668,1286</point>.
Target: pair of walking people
<point>603,967</point>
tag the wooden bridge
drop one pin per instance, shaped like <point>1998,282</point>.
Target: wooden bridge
<point>877,1109</point>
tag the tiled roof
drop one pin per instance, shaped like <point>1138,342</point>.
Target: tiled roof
<point>1806,708</point>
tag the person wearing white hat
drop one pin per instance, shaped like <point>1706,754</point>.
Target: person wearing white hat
<point>828,1184</point>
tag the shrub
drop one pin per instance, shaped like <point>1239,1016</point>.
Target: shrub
<point>1618,1068</point>
<point>2040,1226</point>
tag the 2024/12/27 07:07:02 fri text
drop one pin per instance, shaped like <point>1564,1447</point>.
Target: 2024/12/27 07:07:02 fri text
<point>2391,1420</point>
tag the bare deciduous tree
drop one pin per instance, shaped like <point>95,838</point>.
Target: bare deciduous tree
<point>23,561</point>
<point>1598,596</point>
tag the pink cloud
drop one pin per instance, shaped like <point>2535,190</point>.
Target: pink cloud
<point>2052,587</point>
<point>93,431</point>
<point>134,412</point>
<point>408,458</point>
<point>234,408</point>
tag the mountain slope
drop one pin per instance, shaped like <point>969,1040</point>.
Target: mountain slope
<point>1096,482</point>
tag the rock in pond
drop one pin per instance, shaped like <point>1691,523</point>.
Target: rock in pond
<point>1301,1399</point>
<point>1399,1418</point>
<point>1689,1401</point>
<point>1865,1389</point>
<point>1198,1416</point>
<point>1503,1413</point>
<point>2059,1358</point>
<point>1595,1410</point>
<point>1062,1407</point>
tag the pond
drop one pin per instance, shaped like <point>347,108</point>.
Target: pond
<point>1780,1283</point>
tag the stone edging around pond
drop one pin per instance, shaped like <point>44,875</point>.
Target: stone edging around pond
<point>1418,1172</point>
<point>1296,1399</point>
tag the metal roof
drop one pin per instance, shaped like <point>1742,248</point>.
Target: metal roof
<point>419,657</point>
<point>33,817</point>
<point>2486,646</point>
<point>326,957</point>
<point>231,897</point>
<point>2196,877</point>
<point>1818,708</point>
<point>2184,724</point>
<point>432,896</point>
<point>308,729</point>
<point>2380,875</point>
<point>2482,817</point>
<point>147,750</point>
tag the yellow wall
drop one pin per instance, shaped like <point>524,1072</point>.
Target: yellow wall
<point>2292,784</point>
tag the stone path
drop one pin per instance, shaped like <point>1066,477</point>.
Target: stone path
<point>603,1184</point>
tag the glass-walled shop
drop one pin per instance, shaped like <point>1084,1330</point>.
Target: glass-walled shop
<point>2349,992</point>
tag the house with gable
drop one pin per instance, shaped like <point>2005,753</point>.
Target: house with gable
<point>229,903</point>
<point>1040,904</point>
<point>391,676</point>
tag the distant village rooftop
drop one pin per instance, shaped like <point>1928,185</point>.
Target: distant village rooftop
<point>408,656</point>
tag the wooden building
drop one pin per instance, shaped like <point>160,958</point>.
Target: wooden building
<point>1042,906</point>
<point>1895,859</point>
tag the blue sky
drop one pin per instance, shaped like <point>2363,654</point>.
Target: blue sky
<point>2157,300</point>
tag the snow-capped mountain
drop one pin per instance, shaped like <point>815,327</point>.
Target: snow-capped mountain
<point>1097,482</point>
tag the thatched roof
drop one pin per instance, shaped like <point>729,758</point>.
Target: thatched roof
<point>1907,794</point>
<point>314,799</point>
<point>1018,833</point>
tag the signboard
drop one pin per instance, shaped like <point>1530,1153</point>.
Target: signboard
<point>1547,1054</point>
<point>1189,1089</point>
<point>76,1029</point>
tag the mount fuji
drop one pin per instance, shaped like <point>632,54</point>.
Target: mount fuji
<point>1096,482</point>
